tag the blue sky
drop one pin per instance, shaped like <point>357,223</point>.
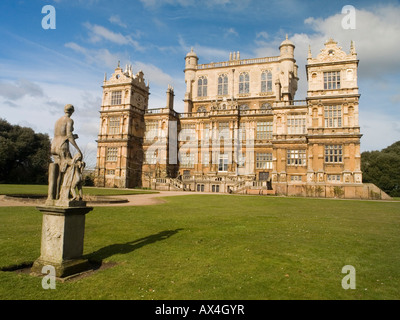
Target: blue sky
<point>42,70</point>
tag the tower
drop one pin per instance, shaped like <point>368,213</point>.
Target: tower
<point>333,128</point>
<point>288,78</point>
<point>119,152</point>
<point>191,61</point>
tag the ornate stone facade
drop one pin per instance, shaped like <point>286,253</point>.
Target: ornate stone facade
<point>241,129</point>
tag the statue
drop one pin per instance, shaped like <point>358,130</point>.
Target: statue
<point>63,223</point>
<point>65,173</point>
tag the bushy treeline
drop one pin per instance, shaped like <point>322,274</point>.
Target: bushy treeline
<point>382,168</point>
<point>24,154</point>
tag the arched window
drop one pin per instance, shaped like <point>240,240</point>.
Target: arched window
<point>266,81</point>
<point>202,87</point>
<point>244,82</point>
<point>223,85</point>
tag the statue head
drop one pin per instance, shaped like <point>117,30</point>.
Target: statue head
<point>69,109</point>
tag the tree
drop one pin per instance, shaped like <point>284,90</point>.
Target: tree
<point>382,168</point>
<point>24,154</point>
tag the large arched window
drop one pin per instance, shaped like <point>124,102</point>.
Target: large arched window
<point>244,82</point>
<point>223,85</point>
<point>266,81</point>
<point>202,87</point>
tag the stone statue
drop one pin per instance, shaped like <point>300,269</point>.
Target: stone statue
<point>65,173</point>
<point>63,223</point>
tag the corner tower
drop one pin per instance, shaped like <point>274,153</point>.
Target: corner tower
<point>333,128</point>
<point>119,151</point>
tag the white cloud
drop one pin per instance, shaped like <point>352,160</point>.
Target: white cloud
<point>19,89</point>
<point>98,33</point>
<point>230,31</point>
<point>204,52</point>
<point>154,74</point>
<point>376,37</point>
<point>105,58</point>
<point>99,57</point>
<point>116,19</point>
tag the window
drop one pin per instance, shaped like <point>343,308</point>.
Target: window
<point>244,82</point>
<point>332,80</point>
<point>223,85</point>
<point>113,125</point>
<point>151,130</point>
<point>112,154</point>
<point>151,157</point>
<point>116,97</point>
<point>296,124</point>
<point>215,188</point>
<point>264,130</point>
<point>263,176</point>
<point>110,172</point>
<point>187,160</point>
<point>188,132</point>
<point>205,158</point>
<point>200,187</point>
<point>206,132</point>
<point>202,87</point>
<point>333,178</point>
<point>333,153</point>
<point>263,160</point>
<point>223,162</point>
<point>241,161</point>
<point>266,81</point>
<point>223,128</point>
<point>242,132</point>
<point>296,157</point>
<point>333,116</point>
<point>295,178</point>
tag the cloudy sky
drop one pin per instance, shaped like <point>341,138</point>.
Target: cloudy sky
<point>41,70</point>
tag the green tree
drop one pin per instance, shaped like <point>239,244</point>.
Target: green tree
<point>24,154</point>
<point>382,168</point>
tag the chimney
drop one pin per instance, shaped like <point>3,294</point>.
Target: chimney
<point>170,98</point>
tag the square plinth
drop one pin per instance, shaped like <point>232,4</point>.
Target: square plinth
<point>63,231</point>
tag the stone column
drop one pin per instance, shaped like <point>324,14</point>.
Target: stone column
<point>63,231</point>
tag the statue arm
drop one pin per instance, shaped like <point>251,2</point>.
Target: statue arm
<point>71,137</point>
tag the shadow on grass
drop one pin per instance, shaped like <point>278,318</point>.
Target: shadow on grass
<point>127,247</point>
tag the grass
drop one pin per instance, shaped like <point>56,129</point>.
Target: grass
<point>17,189</point>
<point>219,247</point>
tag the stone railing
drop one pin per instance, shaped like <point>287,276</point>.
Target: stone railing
<point>237,62</point>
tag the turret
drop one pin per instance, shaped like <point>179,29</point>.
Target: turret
<point>288,70</point>
<point>191,60</point>
<point>287,49</point>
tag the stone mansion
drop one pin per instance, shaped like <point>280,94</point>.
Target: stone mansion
<point>242,131</point>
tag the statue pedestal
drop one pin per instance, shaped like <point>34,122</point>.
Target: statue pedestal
<point>63,230</point>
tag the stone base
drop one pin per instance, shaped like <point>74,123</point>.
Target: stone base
<point>63,230</point>
<point>63,269</point>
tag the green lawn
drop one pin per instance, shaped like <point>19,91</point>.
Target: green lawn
<point>219,247</point>
<point>17,189</point>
